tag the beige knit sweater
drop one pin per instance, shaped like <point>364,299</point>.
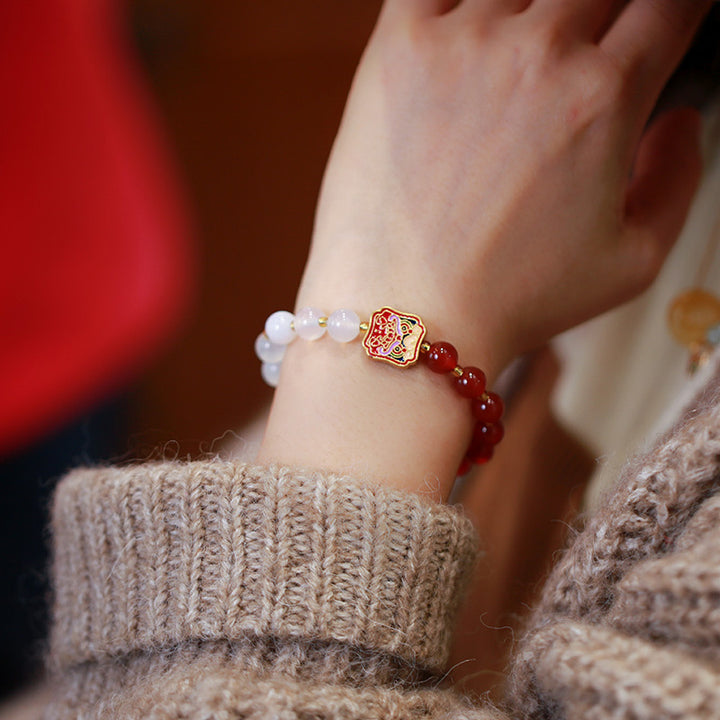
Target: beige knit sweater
<point>213,590</point>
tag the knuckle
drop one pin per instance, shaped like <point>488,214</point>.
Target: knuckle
<point>549,40</point>
<point>604,81</point>
<point>410,47</point>
<point>600,89</point>
<point>547,46</point>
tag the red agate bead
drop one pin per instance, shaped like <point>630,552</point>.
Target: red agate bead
<point>471,384</point>
<point>488,408</point>
<point>491,433</point>
<point>479,451</point>
<point>442,357</point>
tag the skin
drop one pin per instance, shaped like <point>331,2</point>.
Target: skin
<point>494,173</point>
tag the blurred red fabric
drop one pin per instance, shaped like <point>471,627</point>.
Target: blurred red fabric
<point>96,267</point>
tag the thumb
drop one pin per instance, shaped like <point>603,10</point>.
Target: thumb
<point>667,172</point>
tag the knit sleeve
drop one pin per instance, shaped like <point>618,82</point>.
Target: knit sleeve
<point>629,623</point>
<point>218,590</point>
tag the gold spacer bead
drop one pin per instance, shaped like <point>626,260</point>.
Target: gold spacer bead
<point>457,371</point>
<point>322,322</point>
<point>364,326</point>
<point>425,347</point>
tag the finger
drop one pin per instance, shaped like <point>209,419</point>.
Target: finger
<point>667,172</point>
<point>584,19</point>
<point>417,9</point>
<point>649,38</point>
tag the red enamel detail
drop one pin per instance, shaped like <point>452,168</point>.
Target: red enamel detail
<point>394,337</point>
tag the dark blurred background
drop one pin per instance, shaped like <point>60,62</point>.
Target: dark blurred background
<point>251,94</point>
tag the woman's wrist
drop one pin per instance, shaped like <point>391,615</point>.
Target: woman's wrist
<point>337,410</point>
<point>362,272</point>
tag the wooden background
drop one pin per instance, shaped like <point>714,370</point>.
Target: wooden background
<point>251,94</point>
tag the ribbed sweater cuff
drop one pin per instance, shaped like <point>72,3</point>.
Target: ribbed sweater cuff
<point>151,556</point>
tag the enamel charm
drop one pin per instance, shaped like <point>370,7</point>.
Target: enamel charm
<point>394,337</point>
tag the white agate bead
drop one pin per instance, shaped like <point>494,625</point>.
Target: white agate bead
<point>271,373</point>
<point>306,323</point>
<point>279,327</point>
<point>343,325</point>
<point>268,351</point>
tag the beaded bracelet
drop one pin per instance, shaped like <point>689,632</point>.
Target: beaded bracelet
<point>397,338</point>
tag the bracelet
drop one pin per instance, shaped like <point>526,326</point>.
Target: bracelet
<point>397,338</point>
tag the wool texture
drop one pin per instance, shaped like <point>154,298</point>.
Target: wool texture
<point>242,588</point>
<point>218,590</point>
<point>628,625</point>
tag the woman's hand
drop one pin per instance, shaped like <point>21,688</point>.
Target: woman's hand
<point>485,173</point>
<point>493,174</point>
